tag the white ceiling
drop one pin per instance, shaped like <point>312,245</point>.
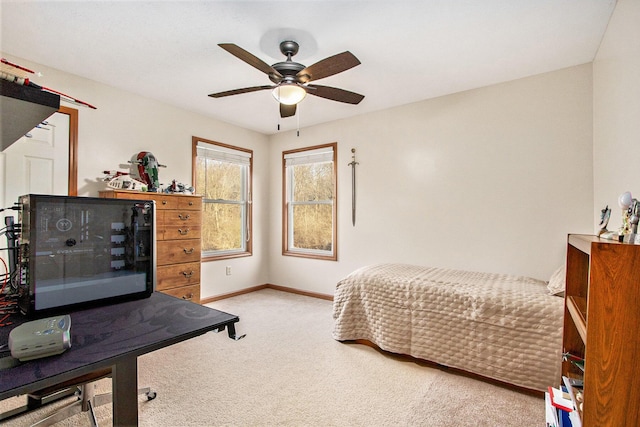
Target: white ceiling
<point>410,50</point>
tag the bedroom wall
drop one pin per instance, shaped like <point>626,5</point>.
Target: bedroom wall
<point>490,180</point>
<point>125,124</point>
<point>616,98</point>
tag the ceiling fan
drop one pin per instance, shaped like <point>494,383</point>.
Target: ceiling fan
<point>292,79</point>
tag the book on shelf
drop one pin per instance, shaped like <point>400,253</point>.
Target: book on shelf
<point>571,419</point>
<point>574,382</point>
<point>562,407</point>
<point>575,393</point>
<point>560,399</point>
<point>551,414</point>
<point>563,418</point>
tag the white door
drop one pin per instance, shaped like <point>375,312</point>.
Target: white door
<point>38,163</point>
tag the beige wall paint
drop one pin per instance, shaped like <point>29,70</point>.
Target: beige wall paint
<point>125,124</point>
<point>491,180</point>
<point>616,98</point>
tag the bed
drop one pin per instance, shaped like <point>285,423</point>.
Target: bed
<point>503,327</point>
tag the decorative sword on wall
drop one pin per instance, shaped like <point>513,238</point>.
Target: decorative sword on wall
<point>353,186</point>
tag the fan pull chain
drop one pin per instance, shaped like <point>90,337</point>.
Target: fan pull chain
<point>298,119</point>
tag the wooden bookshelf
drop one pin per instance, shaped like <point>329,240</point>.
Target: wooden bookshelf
<point>603,304</point>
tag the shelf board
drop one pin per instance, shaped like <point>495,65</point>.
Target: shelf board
<point>23,108</point>
<point>582,242</point>
<point>578,309</point>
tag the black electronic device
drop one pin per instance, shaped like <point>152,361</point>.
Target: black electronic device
<point>80,251</point>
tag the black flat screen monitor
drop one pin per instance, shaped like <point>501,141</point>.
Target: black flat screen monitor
<point>81,251</point>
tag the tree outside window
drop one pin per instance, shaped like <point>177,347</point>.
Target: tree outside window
<point>310,202</point>
<point>222,175</point>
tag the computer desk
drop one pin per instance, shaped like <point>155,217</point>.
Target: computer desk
<point>113,336</point>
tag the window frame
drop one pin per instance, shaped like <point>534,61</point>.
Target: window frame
<point>248,205</point>
<point>287,248</point>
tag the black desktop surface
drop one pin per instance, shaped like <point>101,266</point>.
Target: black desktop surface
<point>103,336</point>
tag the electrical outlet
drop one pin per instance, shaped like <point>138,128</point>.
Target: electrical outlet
<point>228,270</point>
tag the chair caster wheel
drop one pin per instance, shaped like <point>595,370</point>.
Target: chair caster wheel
<point>151,395</point>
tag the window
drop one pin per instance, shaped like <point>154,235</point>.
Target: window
<point>222,175</point>
<point>310,202</point>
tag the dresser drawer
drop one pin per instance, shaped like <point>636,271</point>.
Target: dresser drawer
<point>191,293</point>
<point>180,231</point>
<point>179,224</point>
<point>179,202</point>
<point>177,275</point>
<point>178,251</point>
<point>179,217</point>
<point>163,200</point>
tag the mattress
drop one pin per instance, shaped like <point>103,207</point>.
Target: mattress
<point>503,327</point>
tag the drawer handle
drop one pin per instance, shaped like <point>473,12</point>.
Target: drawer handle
<point>190,203</point>
<point>187,275</point>
<point>183,232</point>
<point>189,296</point>
<point>164,202</point>
<point>184,218</point>
<point>188,251</point>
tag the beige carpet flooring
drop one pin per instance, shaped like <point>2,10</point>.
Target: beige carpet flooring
<point>288,371</point>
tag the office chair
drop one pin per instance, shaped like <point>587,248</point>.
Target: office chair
<point>83,387</point>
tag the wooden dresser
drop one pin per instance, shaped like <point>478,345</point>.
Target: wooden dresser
<point>178,233</point>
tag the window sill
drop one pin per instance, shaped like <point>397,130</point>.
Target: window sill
<point>333,257</point>
<point>225,256</point>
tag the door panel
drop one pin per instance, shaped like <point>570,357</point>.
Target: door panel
<point>39,163</point>
<point>42,164</point>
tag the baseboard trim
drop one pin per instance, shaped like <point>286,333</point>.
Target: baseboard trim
<point>267,286</point>
<point>300,292</point>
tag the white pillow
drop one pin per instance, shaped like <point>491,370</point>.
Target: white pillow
<point>557,285</point>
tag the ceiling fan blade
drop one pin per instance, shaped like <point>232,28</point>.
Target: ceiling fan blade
<point>239,91</point>
<point>250,59</point>
<point>335,94</point>
<point>287,110</point>
<point>328,67</point>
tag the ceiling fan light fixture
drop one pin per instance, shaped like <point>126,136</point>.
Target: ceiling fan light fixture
<point>289,94</point>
